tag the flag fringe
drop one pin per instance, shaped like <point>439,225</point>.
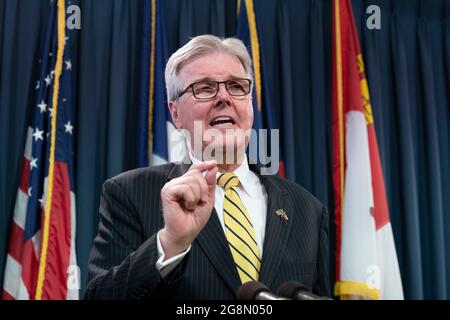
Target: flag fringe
<point>345,289</point>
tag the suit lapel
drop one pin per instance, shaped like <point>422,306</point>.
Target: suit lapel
<point>213,242</point>
<point>215,245</point>
<point>277,229</point>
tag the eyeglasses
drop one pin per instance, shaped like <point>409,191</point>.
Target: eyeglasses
<point>208,89</point>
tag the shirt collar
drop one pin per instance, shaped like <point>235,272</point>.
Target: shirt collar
<point>242,172</point>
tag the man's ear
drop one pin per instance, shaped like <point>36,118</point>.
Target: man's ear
<point>173,108</point>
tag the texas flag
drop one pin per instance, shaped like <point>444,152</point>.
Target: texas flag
<point>159,140</point>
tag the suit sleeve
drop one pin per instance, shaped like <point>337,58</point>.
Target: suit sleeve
<point>322,283</point>
<point>122,263</point>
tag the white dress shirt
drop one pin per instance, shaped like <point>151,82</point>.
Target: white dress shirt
<point>253,196</point>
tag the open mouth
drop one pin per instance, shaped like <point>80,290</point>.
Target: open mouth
<point>222,122</point>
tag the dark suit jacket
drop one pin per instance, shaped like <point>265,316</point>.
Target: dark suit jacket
<point>123,258</point>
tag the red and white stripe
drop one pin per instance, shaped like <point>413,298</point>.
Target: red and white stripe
<point>367,263</point>
<point>22,259</point>
<point>22,262</point>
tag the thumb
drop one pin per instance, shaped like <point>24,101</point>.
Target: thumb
<point>211,179</point>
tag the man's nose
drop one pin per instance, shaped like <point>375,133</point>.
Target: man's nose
<point>222,92</point>
<point>223,98</point>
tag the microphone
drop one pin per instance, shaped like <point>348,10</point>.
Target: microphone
<point>254,290</point>
<point>296,291</point>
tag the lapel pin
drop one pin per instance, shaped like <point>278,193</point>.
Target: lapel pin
<point>282,214</point>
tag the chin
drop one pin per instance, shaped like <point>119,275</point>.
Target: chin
<point>224,153</point>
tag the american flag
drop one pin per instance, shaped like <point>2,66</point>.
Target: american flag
<point>41,261</point>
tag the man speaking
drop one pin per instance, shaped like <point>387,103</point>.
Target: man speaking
<point>201,228</point>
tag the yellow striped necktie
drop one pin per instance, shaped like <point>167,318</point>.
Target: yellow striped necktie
<point>239,230</point>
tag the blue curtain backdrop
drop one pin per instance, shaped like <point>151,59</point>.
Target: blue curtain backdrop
<point>408,68</point>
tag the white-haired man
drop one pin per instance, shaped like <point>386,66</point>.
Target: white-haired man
<point>201,228</point>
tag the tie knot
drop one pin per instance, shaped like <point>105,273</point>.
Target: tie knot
<point>228,180</point>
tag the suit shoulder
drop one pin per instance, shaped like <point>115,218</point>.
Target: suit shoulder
<point>154,173</point>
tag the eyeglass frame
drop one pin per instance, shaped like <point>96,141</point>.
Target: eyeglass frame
<point>191,86</point>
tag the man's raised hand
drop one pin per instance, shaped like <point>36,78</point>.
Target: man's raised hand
<point>187,202</point>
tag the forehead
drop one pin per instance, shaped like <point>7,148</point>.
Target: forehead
<point>215,66</point>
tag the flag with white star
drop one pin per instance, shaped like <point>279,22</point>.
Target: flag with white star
<point>158,139</point>
<point>41,261</point>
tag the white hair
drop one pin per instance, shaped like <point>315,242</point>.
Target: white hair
<point>201,46</point>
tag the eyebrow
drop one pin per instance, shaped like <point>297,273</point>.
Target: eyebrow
<point>231,77</point>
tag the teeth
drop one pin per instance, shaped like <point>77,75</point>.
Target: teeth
<point>222,125</point>
<point>219,121</point>
<point>223,119</point>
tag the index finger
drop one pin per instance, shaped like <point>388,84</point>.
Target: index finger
<point>204,166</point>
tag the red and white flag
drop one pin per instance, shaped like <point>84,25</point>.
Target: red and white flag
<point>367,265</point>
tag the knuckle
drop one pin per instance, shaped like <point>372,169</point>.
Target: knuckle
<point>194,171</point>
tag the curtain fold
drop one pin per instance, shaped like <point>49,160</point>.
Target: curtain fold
<point>445,140</point>
<point>408,237</point>
<point>320,156</point>
<point>284,86</point>
<point>431,186</point>
<point>106,140</point>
